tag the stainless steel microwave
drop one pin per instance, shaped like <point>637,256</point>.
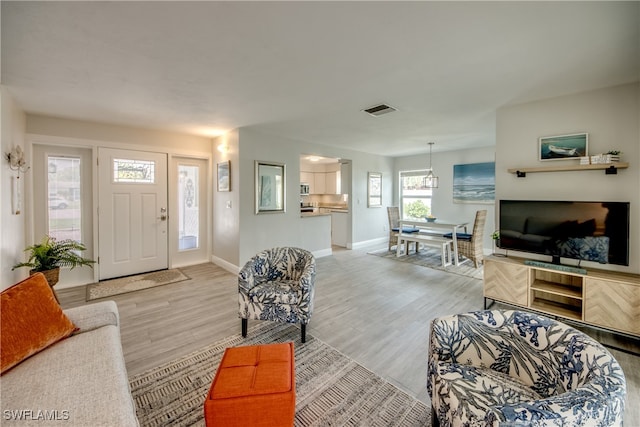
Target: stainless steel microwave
<point>304,189</point>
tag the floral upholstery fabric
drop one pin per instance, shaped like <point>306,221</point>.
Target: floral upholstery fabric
<point>499,368</point>
<point>278,284</point>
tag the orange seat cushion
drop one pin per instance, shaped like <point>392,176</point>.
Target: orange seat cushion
<point>254,386</point>
<point>31,320</point>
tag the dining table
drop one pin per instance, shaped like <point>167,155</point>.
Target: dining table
<point>438,226</point>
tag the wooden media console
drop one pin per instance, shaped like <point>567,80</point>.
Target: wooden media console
<point>600,298</point>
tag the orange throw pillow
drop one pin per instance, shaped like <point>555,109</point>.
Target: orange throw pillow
<point>30,320</point>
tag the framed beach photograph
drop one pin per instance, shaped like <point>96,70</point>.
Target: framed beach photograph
<point>224,178</point>
<point>562,147</point>
<point>374,190</point>
<point>270,187</point>
<point>474,183</point>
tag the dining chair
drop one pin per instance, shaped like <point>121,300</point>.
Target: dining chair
<point>470,245</point>
<point>393,212</point>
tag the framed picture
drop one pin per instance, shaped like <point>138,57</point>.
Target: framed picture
<point>270,187</point>
<point>474,183</point>
<point>224,178</point>
<point>564,147</point>
<point>374,190</point>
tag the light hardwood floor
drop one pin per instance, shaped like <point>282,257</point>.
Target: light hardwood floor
<point>374,310</point>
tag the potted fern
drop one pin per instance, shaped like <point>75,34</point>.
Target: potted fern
<point>50,254</point>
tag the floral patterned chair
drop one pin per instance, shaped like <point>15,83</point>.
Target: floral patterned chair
<point>513,368</point>
<point>278,284</point>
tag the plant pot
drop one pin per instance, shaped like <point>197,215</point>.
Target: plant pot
<point>52,275</point>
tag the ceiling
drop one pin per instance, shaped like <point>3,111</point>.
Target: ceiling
<point>305,70</point>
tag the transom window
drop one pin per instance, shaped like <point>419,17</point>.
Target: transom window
<point>137,171</point>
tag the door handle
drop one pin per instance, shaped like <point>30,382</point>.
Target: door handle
<point>162,217</point>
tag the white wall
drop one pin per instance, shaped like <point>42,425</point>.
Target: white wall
<point>116,136</point>
<point>257,232</point>
<point>611,116</point>
<point>442,203</point>
<point>226,204</point>
<point>12,227</point>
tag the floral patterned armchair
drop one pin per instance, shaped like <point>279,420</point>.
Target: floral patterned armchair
<point>278,284</point>
<point>513,368</point>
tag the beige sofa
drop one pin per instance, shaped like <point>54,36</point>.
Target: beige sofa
<point>79,381</point>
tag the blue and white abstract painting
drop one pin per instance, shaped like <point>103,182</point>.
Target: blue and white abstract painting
<point>474,183</point>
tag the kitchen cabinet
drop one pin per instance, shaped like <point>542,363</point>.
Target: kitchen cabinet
<point>319,183</point>
<point>339,228</point>
<point>306,178</point>
<point>333,183</point>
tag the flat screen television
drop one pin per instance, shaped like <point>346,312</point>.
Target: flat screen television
<point>586,231</point>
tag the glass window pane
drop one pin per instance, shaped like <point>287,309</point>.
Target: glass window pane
<point>188,210</point>
<point>138,171</point>
<point>415,197</point>
<point>63,185</point>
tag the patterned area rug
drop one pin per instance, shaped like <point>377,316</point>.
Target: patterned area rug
<point>331,388</point>
<point>429,257</point>
<point>123,285</point>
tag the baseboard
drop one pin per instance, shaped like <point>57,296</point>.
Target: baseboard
<point>231,268</point>
<point>366,243</point>
<point>322,253</point>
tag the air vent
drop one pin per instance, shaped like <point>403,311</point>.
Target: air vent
<point>379,110</point>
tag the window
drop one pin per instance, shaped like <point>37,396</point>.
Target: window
<point>415,197</point>
<point>64,204</point>
<point>188,211</point>
<point>134,171</point>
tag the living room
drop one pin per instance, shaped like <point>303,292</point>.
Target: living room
<point>608,113</point>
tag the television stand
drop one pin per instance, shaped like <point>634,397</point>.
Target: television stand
<point>600,298</point>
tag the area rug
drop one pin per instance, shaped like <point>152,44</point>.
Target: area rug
<point>331,388</point>
<point>429,257</point>
<point>123,285</point>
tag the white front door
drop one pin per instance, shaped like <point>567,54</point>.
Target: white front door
<point>132,212</point>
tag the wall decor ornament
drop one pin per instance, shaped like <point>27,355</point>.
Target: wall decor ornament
<point>563,147</point>
<point>16,159</point>
<point>270,187</point>
<point>224,176</point>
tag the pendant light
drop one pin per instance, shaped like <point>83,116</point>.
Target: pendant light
<point>430,181</point>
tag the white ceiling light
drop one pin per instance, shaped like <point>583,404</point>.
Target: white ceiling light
<point>430,181</point>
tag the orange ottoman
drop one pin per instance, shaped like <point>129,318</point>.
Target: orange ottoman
<point>254,386</point>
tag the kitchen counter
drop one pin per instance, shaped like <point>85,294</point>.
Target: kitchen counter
<point>310,214</point>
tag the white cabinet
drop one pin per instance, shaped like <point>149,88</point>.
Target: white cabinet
<point>319,183</point>
<point>339,228</point>
<point>306,178</point>
<point>333,183</point>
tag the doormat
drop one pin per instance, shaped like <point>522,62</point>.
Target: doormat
<point>331,388</point>
<point>138,282</point>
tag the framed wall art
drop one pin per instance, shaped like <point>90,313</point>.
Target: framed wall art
<point>224,176</point>
<point>562,147</point>
<point>374,190</point>
<point>474,183</point>
<point>270,187</point>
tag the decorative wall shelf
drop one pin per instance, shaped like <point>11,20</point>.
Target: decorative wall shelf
<point>608,168</point>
